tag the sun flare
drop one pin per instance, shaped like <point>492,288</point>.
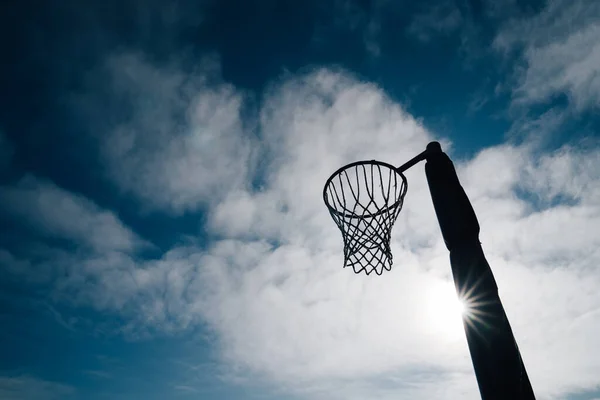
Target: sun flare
<point>444,310</point>
<point>460,306</point>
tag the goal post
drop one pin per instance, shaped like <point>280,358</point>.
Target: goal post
<point>364,199</point>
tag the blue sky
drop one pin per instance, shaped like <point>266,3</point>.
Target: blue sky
<point>161,166</point>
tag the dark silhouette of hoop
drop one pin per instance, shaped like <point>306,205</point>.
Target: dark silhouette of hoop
<point>364,199</point>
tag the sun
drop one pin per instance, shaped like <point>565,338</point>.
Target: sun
<point>460,306</point>
<point>444,311</point>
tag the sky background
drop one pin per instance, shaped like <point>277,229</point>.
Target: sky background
<point>163,234</point>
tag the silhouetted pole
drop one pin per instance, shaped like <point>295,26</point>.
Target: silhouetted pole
<point>496,358</point>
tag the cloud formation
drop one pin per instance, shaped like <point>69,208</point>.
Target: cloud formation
<point>560,53</point>
<point>184,145</point>
<point>57,213</point>
<point>326,324</point>
<point>271,287</point>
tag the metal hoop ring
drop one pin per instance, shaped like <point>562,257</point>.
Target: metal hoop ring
<point>354,164</point>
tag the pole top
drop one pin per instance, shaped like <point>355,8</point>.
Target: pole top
<point>434,147</point>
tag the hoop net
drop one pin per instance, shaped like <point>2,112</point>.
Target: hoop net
<point>364,199</point>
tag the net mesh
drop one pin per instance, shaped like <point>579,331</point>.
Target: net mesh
<point>364,200</point>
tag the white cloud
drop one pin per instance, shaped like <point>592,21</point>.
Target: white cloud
<point>183,145</point>
<point>570,172</point>
<point>534,199</point>
<point>312,125</point>
<point>325,323</point>
<point>561,53</point>
<point>24,387</point>
<point>55,212</point>
<point>539,129</point>
<point>283,309</point>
